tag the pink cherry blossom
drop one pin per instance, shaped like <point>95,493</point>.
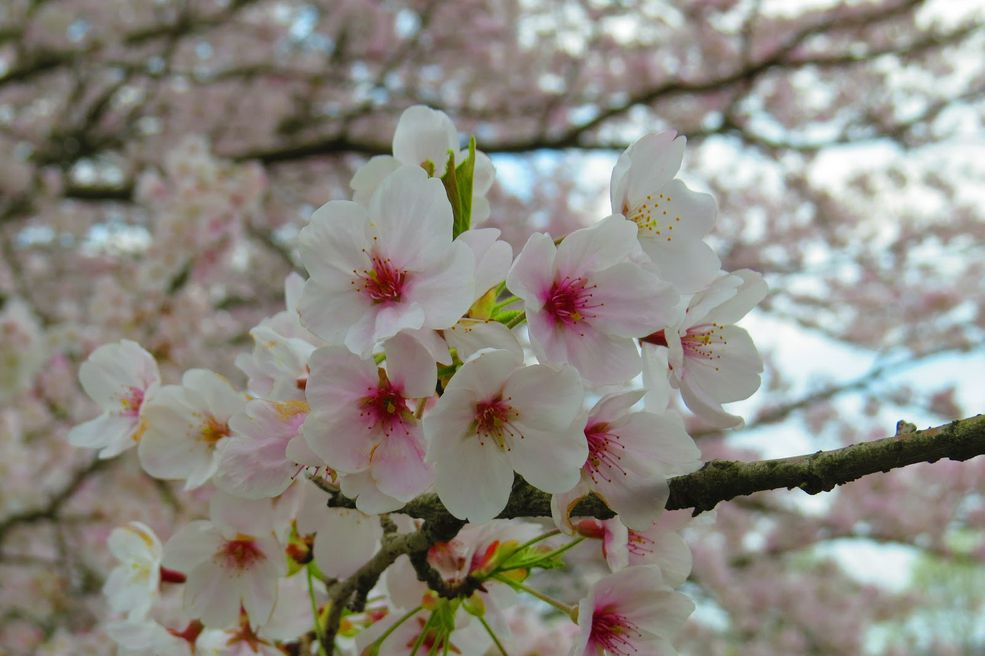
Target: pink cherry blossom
<point>586,299</point>
<point>496,417</point>
<point>630,457</point>
<point>632,611</point>
<point>363,418</point>
<point>121,378</point>
<point>672,219</point>
<point>390,267</point>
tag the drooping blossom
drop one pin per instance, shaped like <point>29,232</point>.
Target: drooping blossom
<point>423,138</point>
<point>255,461</point>
<point>660,544</point>
<point>631,612</point>
<point>495,417</point>
<point>132,586</point>
<point>121,377</point>
<point>230,561</point>
<point>672,219</point>
<point>388,267</point>
<point>631,454</point>
<point>586,299</point>
<point>363,416</point>
<point>711,360</point>
<point>185,423</point>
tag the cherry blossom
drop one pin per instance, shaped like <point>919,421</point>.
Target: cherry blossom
<point>632,611</point>
<point>495,417</point>
<point>672,219</point>
<point>586,299</point>
<point>185,423</point>
<point>392,266</point>
<point>121,378</point>
<point>133,584</point>
<point>630,457</point>
<point>231,560</point>
<point>712,360</point>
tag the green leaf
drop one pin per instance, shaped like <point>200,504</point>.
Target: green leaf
<point>450,180</point>
<point>466,175</point>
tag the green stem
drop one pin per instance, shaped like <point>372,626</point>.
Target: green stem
<point>423,635</point>
<point>517,320</point>
<point>314,610</point>
<point>492,634</point>
<point>529,543</point>
<point>570,611</point>
<point>386,634</point>
<point>510,301</point>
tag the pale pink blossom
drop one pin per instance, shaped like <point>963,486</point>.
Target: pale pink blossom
<point>121,377</point>
<point>672,219</point>
<point>495,417</point>
<point>631,454</point>
<point>344,538</point>
<point>363,416</point>
<point>185,423</point>
<point>660,544</point>
<point>630,612</point>
<point>389,267</point>
<point>586,299</point>
<point>231,560</point>
<point>254,462</point>
<point>711,360</point>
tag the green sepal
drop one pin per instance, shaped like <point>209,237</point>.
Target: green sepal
<point>458,185</point>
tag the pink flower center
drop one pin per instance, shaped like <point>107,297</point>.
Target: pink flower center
<point>569,301</point>
<point>493,420</point>
<point>700,341</point>
<point>639,545</point>
<point>614,633</point>
<point>605,453</point>
<point>242,552</point>
<point>384,406</point>
<point>132,401</point>
<point>383,283</point>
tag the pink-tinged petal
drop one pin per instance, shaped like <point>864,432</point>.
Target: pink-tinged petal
<point>546,398</point>
<point>664,548</point>
<point>615,544</point>
<point>338,379</point>
<point>603,359</point>
<point>647,165</point>
<point>661,442</point>
<point>447,289</point>
<point>210,594</point>
<point>632,302</point>
<point>398,464</point>
<point>344,440</point>
<point>412,218</point>
<point>688,265</point>
<point>410,368</point>
<point>563,503</point>
<point>581,645</point>
<point>112,370</point>
<point>493,258</point>
<point>484,376</point>
<point>449,420</point>
<point>330,308</point>
<point>403,588</point>
<point>607,243</point>
<point>346,540</point>
<point>194,543</point>
<point>212,392</point>
<point>432,342</point>
<point>708,409</point>
<point>335,241</point>
<point>258,587</point>
<point>550,461</point>
<point>752,290</point>
<point>112,434</point>
<point>253,469</point>
<point>473,477</point>
<point>424,134</point>
<point>532,273</point>
<point>366,491</point>
<point>638,502</point>
<point>471,335</point>
<point>387,321</point>
<point>233,515</point>
<point>300,453</point>
<point>172,447</point>
<point>727,368</point>
<point>370,175</point>
<point>614,406</point>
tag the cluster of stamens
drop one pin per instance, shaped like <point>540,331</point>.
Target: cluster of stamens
<point>699,341</point>
<point>645,215</point>
<point>604,453</point>
<point>569,301</point>
<point>613,632</point>
<point>132,402</point>
<point>383,406</point>
<point>240,553</point>
<point>382,283</point>
<point>493,421</point>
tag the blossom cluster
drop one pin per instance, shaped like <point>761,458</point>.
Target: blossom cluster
<point>422,355</point>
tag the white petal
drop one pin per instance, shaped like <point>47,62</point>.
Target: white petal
<point>609,242</point>
<point>633,302</point>
<point>194,543</point>
<point>551,461</point>
<point>335,242</point>
<point>346,540</point>
<point>370,175</point>
<point>546,398</point>
<point>365,490</point>
<point>471,335</point>
<point>212,595</point>
<point>111,433</point>
<point>532,273</point>
<point>412,219</point>
<point>446,291</point>
<point>424,134</point>
<point>473,479</point>
<point>234,515</point>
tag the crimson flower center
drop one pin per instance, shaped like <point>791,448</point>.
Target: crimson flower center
<point>132,401</point>
<point>614,633</point>
<point>493,420</point>
<point>383,283</point>
<point>384,405</point>
<point>570,301</point>
<point>605,452</point>
<point>242,552</point>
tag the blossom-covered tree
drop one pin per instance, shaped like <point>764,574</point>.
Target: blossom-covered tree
<point>457,348</point>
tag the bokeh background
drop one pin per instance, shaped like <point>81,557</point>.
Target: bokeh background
<point>158,157</point>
